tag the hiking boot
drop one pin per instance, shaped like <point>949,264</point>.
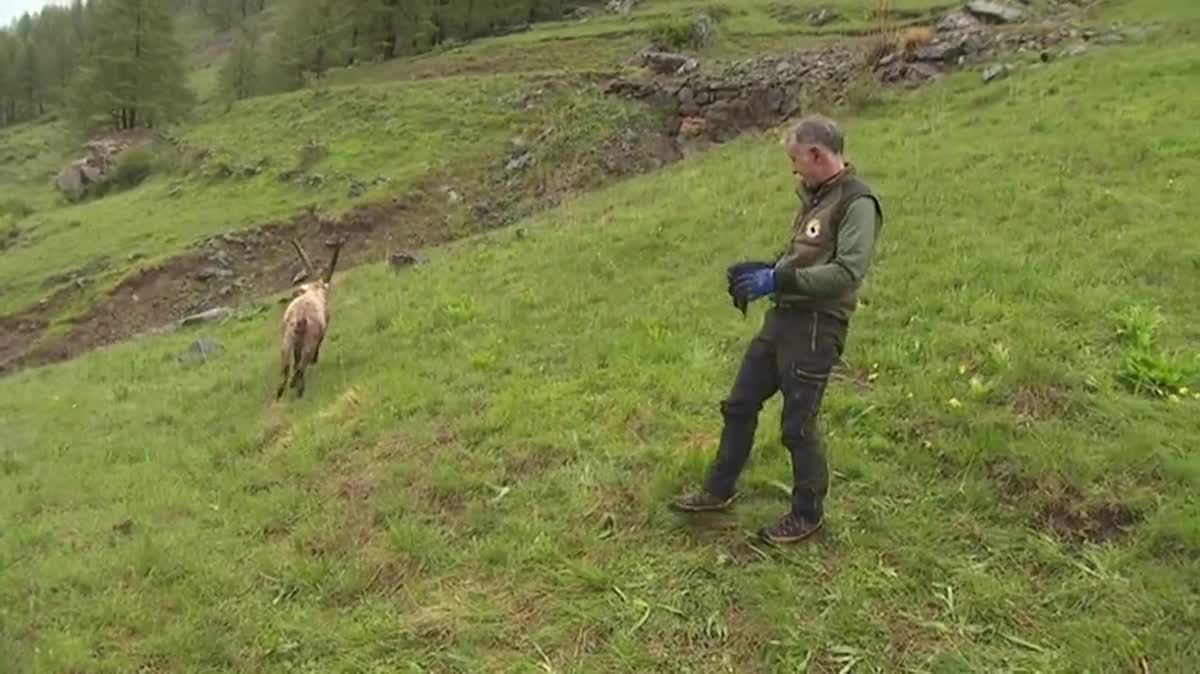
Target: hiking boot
<point>702,501</point>
<point>790,528</point>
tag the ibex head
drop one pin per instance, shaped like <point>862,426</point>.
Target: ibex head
<point>322,283</point>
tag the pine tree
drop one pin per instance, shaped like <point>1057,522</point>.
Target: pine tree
<point>133,73</point>
<point>240,73</point>
<point>310,39</point>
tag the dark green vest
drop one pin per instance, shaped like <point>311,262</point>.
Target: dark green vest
<point>815,236</point>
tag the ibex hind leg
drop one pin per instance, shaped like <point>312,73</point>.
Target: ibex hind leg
<point>298,368</point>
<point>305,357</point>
<point>285,372</point>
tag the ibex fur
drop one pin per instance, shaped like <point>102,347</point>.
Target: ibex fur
<point>305,322</point>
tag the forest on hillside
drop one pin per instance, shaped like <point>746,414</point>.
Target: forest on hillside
<point>120,64</point>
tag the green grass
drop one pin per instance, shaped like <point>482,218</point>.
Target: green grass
<point>477,478</point>
<point>396,132</point>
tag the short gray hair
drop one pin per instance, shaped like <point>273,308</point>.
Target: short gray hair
<point>818,130</point>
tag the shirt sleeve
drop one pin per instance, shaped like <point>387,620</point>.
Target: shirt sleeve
<point>856,242</point>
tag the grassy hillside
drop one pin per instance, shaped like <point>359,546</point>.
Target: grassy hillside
<point>477,478</point>
<point>394,134</point>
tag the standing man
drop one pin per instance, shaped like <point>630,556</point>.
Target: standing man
<point>814,289</point>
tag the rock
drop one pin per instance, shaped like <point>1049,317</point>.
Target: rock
<point>220,258</point>
<point>100,156</point>
<point>822,17</point>
<point>956,21</point>
<point>520,162</point>
<point>209,273</point>
<point>315,181</point>
<point>201,349</point>
<point>909,73</point>
<point>942,50</point>
<point>995,11</point>
<point>702,29</point>
<point>1109,38</point>
<point>356,189</point>
<point>452,195</point>
<point>996,72</point>
<point>622,7</point>
<point>667,63</point>
<point>72,182</point>
<point>582,13</point>
<point>209,316</point>
<point>1076,50</point>
<point>398,261</point>
<point>691,127</point>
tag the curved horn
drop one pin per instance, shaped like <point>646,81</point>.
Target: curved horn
<point>337,250</point>
<point>303,257</point>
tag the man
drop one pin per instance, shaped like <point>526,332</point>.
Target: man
<point>814,286</point>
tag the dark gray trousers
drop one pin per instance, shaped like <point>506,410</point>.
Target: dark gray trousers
<point>793,353</point>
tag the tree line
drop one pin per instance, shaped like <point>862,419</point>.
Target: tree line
<point>122,64</point>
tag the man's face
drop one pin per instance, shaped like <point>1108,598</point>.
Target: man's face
<point>805,161</point>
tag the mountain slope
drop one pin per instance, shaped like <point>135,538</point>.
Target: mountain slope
<point>477,478</point>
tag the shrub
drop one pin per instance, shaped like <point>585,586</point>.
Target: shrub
<point>133,166</point>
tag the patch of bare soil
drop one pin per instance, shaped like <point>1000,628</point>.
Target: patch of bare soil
<point>1081,523</point>
<point>1062,509</point>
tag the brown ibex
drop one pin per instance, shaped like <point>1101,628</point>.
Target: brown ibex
<point>306,321</point>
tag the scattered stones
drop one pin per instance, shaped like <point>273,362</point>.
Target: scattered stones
<point>989,10</point>
<point>209,316</point>
<point>996,72</point>
<point>200,350</point>
<point>356,189</point>
<point>210,273</point>
<point>80,276</point>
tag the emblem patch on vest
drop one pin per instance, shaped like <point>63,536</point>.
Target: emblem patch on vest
<point>813,229</point>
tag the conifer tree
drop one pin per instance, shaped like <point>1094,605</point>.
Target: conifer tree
<point>133,72</point>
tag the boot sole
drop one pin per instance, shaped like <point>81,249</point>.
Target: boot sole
<point>700,509</point>
<point>790,539</point>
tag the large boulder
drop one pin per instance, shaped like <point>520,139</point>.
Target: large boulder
<point>80,176</point>
<point>72,182</point>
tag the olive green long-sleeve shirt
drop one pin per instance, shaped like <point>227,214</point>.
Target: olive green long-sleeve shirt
<point>856,239</point>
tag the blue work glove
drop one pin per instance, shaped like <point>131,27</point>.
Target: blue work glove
<point>754,284</point>
<point>734,272</point>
